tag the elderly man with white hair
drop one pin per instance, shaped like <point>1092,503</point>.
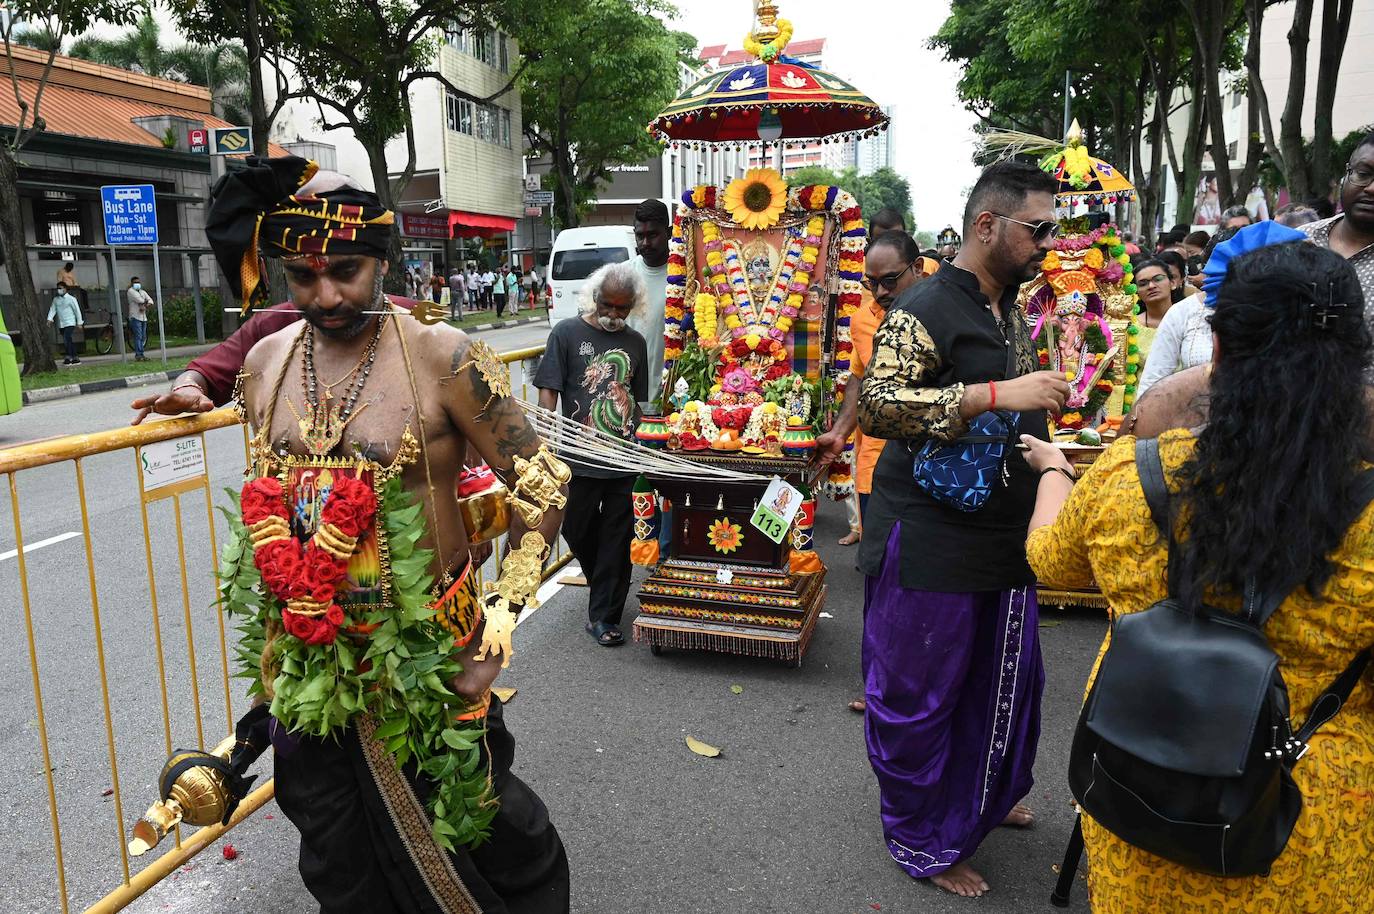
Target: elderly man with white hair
<point>598,367</point>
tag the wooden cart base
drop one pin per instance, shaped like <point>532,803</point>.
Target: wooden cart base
<point>788,647</point>
<point>760,613</point>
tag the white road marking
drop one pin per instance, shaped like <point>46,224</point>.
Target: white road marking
<point>550,588</point>
<point>50,541</point>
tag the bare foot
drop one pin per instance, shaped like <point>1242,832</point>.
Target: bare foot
<point>850,538</point>
<point>857,706</point>
<point>961,879</point>
<point>1019,817</point>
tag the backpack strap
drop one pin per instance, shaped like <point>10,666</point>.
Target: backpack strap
<point>1329,703</point>
<point>1151,469</point>
<point>1361,498</point>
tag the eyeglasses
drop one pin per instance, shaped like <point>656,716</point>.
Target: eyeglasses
<point>1359,177</point>
<point>888,282</point>
<point>1156,280</point>
<point>1040,231</point>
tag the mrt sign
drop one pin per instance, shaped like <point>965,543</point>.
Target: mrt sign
<point>199,141</point>
<point>130,214</point>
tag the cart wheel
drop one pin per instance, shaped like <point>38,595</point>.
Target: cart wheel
<point>105,341</point>
<point>656,649</point>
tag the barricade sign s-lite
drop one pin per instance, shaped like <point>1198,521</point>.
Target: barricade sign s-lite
<point>165,463</point>
<point>130,213</point>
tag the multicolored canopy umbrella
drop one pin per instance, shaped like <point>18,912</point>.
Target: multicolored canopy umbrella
<point>771,98</point>
<point>768,102</point>
<point>1082,178</point>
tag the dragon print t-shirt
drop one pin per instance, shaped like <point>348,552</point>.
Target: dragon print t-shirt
<point>600,377</point>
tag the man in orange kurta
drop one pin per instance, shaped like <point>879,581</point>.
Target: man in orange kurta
<point>862,327</point>
<point>899,266</point>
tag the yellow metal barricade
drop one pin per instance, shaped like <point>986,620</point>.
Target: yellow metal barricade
<point>172,463</point>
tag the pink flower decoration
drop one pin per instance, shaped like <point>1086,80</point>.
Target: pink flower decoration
<point>789,311</point>
<point>738,381</point>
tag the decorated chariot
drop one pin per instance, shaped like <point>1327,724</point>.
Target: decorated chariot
<point>763,280</point>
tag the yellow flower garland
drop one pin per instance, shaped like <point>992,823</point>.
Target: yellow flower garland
<point>773,49</point>
<point>706,319</point>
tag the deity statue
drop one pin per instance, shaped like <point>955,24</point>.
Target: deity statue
<point>1072,335</point>
<point>760,264</point>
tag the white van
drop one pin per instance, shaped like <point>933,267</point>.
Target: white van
<point>577,254</point>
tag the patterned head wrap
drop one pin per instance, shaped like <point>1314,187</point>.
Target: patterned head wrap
<point>259,209</point>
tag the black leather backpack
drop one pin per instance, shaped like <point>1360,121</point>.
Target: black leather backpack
<point>1184,747</point>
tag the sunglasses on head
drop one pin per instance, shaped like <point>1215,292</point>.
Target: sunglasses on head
<point>1040,231</point>
<point>888,282</point>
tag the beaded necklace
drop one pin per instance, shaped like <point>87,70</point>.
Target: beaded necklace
<point>322,426</point>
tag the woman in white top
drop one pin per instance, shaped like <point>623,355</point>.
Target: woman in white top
<point>1184,338</point>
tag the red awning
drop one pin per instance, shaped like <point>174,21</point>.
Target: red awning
<point>479,225</point>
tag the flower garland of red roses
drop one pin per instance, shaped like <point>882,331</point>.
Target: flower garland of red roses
<point>305,578</point>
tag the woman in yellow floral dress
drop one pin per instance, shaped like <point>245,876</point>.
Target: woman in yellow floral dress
<point>1265,489</point>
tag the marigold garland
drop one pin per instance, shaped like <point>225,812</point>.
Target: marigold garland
<point>823,201</point>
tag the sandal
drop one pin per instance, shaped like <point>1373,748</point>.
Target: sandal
<point>605,634</point>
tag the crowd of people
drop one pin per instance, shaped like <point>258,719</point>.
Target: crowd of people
<point>1257,348</point>
<point>466,290</point>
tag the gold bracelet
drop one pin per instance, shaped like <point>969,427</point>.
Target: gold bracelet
<point>537,485</point>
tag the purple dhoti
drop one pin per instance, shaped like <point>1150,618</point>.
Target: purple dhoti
<point>952,683</point>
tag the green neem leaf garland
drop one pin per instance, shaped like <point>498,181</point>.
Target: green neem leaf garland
<point>397,674</point>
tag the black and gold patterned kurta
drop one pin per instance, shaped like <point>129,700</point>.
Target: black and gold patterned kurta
<point>938,337</point>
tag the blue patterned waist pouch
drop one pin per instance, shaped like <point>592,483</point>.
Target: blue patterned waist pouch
<point>963,473</point>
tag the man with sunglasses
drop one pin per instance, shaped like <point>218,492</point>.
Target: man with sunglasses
<point>951,656</point>
<point>1351,232</point>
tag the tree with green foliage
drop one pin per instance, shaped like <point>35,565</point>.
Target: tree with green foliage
<point>600,71</point>
<point>207,21</point>
<point>884,189</point>
<point>40,37</point>
<point>220,66</point>
<point>1129,65</point>
<point>139,49</point>
<point>1307,166</point>
<point>60,19</point>
<point>357,60</point>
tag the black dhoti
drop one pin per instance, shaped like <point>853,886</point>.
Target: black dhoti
<point>366,846</point>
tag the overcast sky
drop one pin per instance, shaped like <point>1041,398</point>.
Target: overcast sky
<point>879,46</point>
